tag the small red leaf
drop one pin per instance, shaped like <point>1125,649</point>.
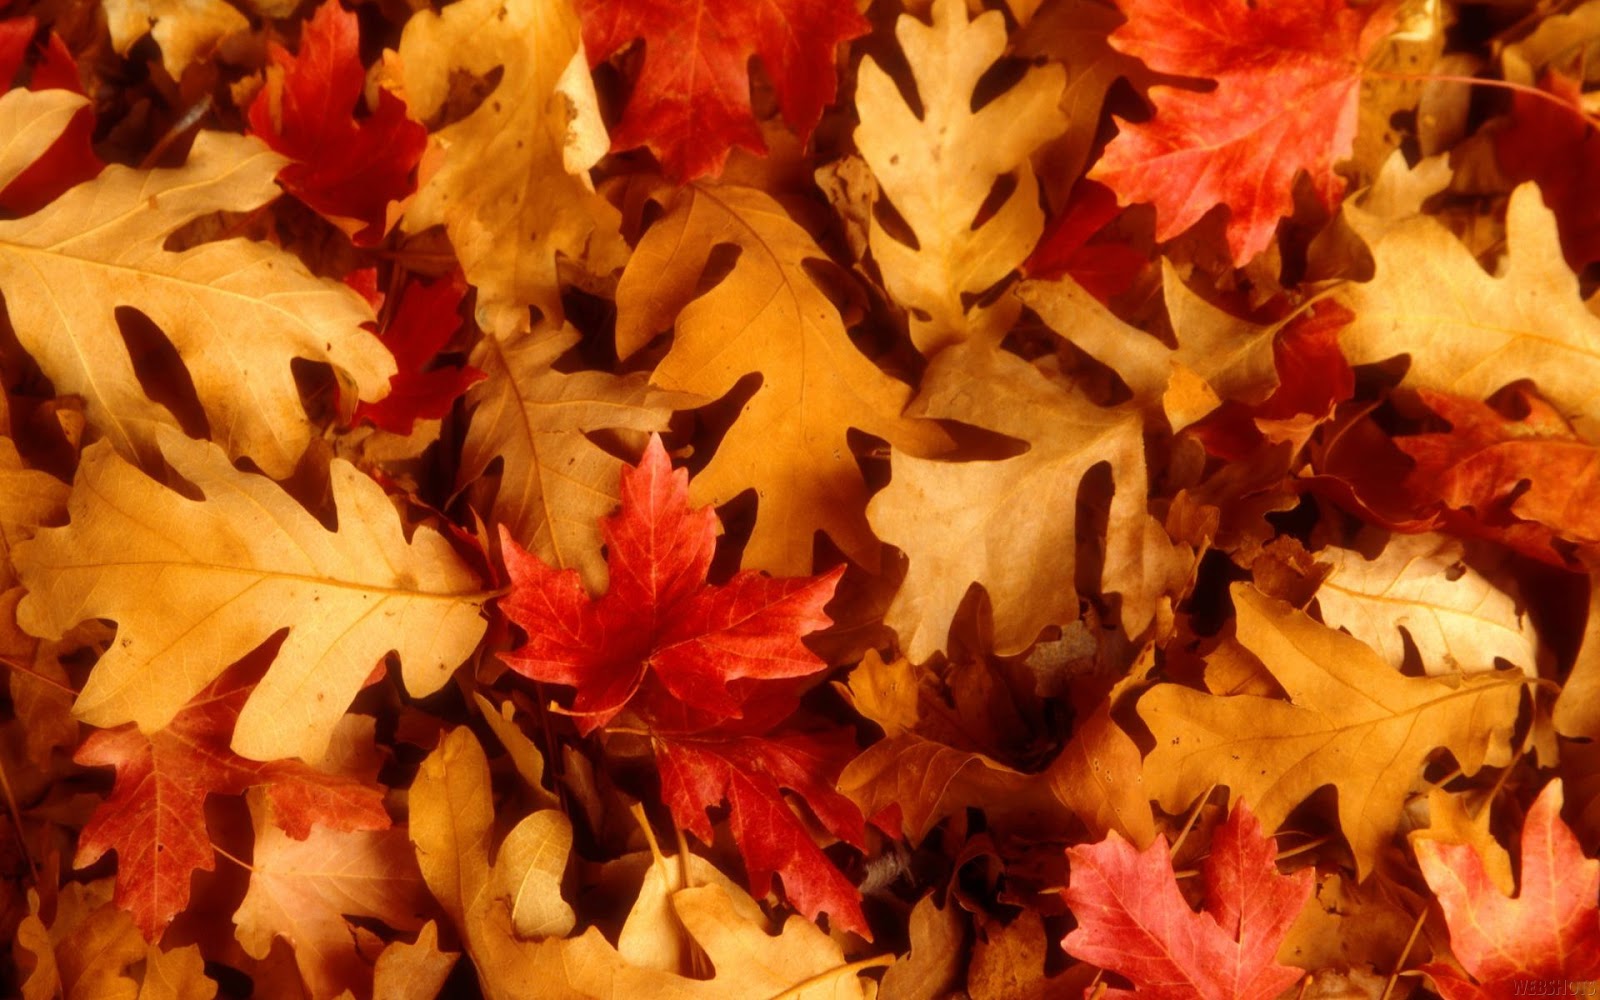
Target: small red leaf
<point>424,320</point>
<point>691,102</point>
<point>1549,932</point>
<point>348,171</point>
<point>748,774</point>
<point>155,817</point>
<point>1133,921</point>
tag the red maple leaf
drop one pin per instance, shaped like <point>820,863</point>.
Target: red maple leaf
<point>1548,933</point>
<point>691,102</point>
<point>155,817</point>
<point>748,773</point>
<point>348,171</point>
<point>70,160</point>
<point>1525,482</point>
<point>424,320</point>
<point>1288,78</point>
<point>1133,921</point>
<point>1558,149</point>
<point>660,619</point>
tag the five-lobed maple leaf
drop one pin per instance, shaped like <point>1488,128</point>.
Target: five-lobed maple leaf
<point>1287,77</point>
<point>660,633</point>
<point>1133,920</point>
<point>1549,932</point>
<point>684,655</point>
<point>155,818</point>
<point>349,171</point>
<point>691,101</point>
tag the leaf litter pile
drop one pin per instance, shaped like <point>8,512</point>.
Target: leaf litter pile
<point>800,499</point>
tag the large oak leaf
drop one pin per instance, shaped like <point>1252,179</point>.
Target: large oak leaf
<point>790,442</point>
<point>194,585</point>
<point>237,311</point>
<point>1351,721</point>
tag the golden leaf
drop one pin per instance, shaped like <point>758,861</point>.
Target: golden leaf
<point>238,312</point>
<point>937,170</point>
<point>194,585</point>
<point>768,316</point>
<point>1351,721</point>
<point>512,187</point>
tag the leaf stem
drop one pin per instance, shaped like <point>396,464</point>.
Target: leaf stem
<point>1478,81</point>
<point>16,822</point>
<point>247,866</point>
<point>1405,953</point>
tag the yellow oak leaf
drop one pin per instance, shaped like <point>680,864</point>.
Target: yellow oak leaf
<point>1577,709</point>
<point>509,182</point>
<point>555,484</point>
<point>302,891</point>
<point>1455,617</point>
<point>237,311</point>
<point>185,30</point>
<point>1351,721</point>
<point>87,951</point>
<point>1469,332</point>
<point>937,170</point>
<point>1008,525</point>
<point>766,316</point>
<point>194,585</point>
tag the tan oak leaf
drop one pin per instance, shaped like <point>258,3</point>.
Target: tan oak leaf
<point>1350,721</point>
<point>1007,525</point>
<point>195,584</point>
<point>237,311</point>
<point>768,315</point>
<point>1457,619</point>
<point>937,169</point>
<point>1469,332</point>
<point>509,182</point>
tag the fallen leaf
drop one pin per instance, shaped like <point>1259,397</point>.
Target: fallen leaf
<point>790,443</point>
<point>349,171</point>
<point>1419,589</point>
<point>155,818</point>
<point>235,567</point>
<point>1350,721</point>
<point>956,520</point>
<point>937,164</point>
<point>1132,920</point>
<point>1287,80</point>
<point>690,103</point>
<point>302,891</point>
<point>101,246</point>
<point>1548,932</point>
<point>660,621</point>
<point>537,127</point>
